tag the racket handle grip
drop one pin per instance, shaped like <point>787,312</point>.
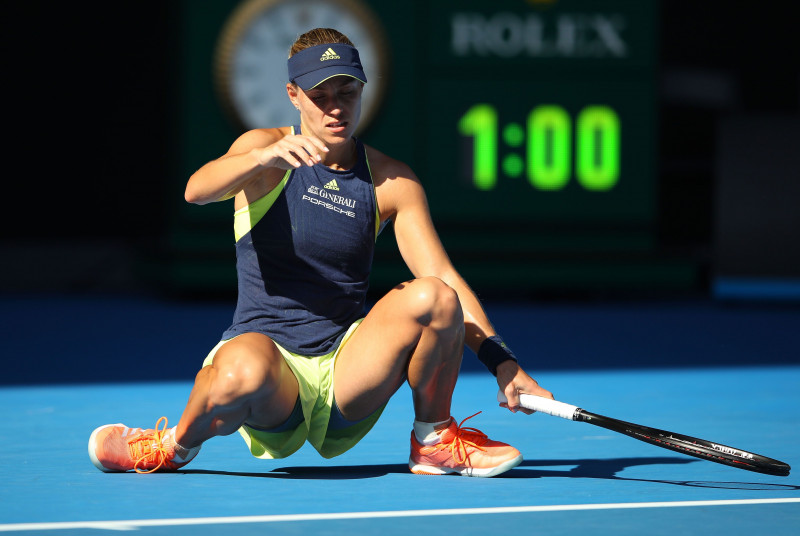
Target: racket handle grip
<point>544,405</point>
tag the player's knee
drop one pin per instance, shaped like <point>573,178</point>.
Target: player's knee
<point>239,375</point>
<point>436,303</point>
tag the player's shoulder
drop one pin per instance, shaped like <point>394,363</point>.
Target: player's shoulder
<point>268,135</point>
<point>385,167</point>
<point>259,137</point>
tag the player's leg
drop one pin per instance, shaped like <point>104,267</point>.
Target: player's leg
<point>416,334</point>
<point>248,381</point>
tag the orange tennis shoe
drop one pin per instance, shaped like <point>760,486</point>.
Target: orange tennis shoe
<point>115,447</point>
<point>466,451</point>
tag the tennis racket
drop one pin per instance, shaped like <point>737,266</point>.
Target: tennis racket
<point>692,446</point>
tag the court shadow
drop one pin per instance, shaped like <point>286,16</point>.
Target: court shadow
<point>327,472</point>
<point>587,468</point>
<point>592,468</point>
<point>608,469</point>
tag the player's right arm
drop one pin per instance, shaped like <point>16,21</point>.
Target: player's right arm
<point>255,161</point>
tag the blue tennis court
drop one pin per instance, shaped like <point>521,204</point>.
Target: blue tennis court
<point>729,374</point>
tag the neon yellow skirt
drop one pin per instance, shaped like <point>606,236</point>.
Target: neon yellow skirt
<point>315,381</point>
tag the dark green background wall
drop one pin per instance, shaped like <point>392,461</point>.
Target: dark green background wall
<point>110,108</point>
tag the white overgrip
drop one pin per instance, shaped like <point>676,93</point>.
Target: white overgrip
<point>544,405</point>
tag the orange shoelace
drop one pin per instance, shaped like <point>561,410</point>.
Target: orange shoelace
<point>148,448</point>
<point>465,437</point>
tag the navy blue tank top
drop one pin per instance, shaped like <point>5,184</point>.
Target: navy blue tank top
<point>303,268</point>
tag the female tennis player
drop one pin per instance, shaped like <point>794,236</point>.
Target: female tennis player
<point>301,360</point>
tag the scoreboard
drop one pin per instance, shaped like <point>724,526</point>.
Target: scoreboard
<point>547,108</point>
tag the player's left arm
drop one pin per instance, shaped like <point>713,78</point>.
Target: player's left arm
<point>424,254</point>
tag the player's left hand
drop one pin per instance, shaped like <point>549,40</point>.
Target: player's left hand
<point>512,381</point>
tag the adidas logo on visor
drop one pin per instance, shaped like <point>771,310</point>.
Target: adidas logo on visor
<point>329,54</point>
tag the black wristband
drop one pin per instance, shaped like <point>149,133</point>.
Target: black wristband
<point>494,351</point>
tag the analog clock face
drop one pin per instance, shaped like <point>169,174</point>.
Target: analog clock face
<point>254,45</point>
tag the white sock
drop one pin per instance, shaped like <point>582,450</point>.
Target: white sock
<point>426,431</point>
<point>188,454</point>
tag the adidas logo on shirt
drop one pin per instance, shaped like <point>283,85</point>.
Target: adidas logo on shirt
<point>329,54</point>
<point>332,185</point>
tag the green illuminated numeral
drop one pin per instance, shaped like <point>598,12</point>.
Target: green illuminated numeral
<point>598,148</point>
<point>549,136</point>
<point>548,147</point>
<point>480,122</point>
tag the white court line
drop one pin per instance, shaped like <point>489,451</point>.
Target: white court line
<point>134,524</point>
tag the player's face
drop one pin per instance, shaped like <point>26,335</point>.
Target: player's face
<point>333,108</point>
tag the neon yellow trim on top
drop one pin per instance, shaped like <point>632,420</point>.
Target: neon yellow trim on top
<point>375,198</point>
<point>247,217</point>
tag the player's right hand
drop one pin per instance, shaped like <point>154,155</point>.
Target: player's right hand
<point>292,151</point>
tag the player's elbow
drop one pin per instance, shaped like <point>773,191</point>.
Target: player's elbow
<point>190,197</point>
<point>195,196</point>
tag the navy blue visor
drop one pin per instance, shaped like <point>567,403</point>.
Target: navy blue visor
<point>312,66</point>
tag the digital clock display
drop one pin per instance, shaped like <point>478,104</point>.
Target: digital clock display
<point>542,152</point>
<point>548,150</point>
<point>541,114</point>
